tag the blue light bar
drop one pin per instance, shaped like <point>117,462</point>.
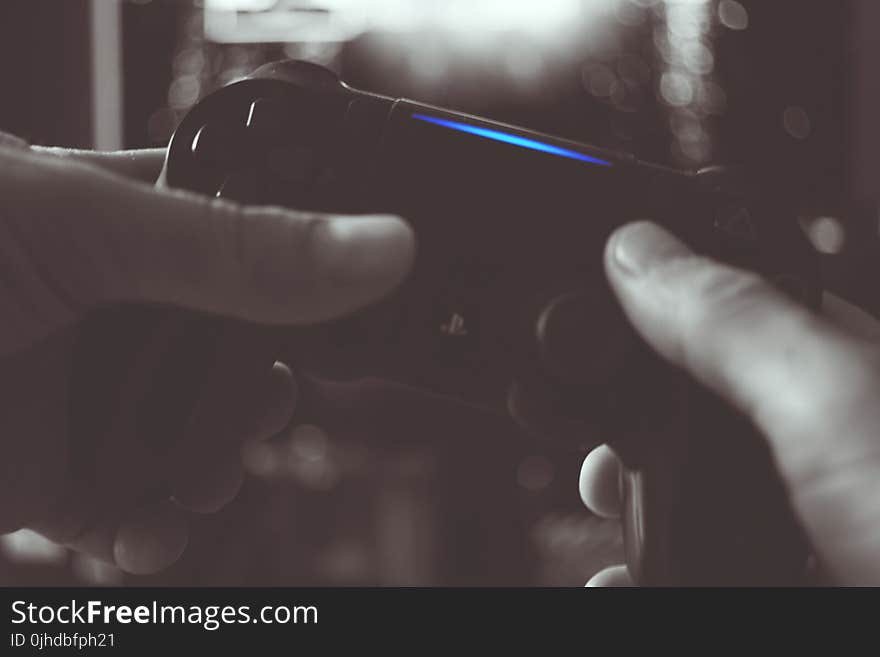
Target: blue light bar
<point>511,139</point>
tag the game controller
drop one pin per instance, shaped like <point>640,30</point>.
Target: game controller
<point>507,306</point>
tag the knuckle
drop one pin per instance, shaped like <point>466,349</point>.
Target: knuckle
<point>720,288</point>
<point>705,297</point>
<point>720,295</point>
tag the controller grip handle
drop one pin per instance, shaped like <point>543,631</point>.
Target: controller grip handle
<point>147,369</point>
<point>712,511</point>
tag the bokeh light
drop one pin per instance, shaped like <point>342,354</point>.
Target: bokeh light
<point>796,122</point>
<point>687,85</point>
<point>827,234</point>
<point>733,15</point>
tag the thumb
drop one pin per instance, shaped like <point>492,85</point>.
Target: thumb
<point>810,387</point>
<point>84,236</point>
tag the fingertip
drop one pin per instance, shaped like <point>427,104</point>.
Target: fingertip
<point>277,406</point>
<point>152,539</point>
<point>303,268</point>
<point>612,577</point>
<point>599,482</point>
<point>637,248</point>
<point>372,249</point>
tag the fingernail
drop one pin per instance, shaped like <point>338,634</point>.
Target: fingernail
<point>376,246</point>
<point>150,541</point>
<point>638,247</point>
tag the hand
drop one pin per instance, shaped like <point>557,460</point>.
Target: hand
<point>78,229</point>
<point>810,384</point>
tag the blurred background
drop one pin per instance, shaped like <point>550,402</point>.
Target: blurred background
<point>784,89</point>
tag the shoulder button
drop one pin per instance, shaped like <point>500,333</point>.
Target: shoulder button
<point>304,74</point>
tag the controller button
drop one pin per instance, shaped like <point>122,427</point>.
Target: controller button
<point>447,327</point>
<point>444,331</point>
<point>584,338</point>
<point>303,74</point>
<point>453,325</point>
<point>736,221</point>
<point>737,236</point>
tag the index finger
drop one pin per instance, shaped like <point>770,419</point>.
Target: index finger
<point>144,165</point>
